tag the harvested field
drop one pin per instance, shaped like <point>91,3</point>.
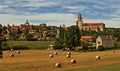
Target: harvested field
<point>39,60</point>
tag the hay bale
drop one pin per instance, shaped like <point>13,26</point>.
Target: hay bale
<point>58,65</point>
<point>55,53</point>
<point>51,55</point>
<point>73,61</point>
<point>69,53</point>
<point>113,51</point>
<point>12,49</point>
<point>98,57</point>
<point>11,55</point>
<point>18,52</point>
<point>68,56</point>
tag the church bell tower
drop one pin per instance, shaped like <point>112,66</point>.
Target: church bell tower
<point>79,21</point>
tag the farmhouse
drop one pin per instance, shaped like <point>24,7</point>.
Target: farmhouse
<point>105,40</point>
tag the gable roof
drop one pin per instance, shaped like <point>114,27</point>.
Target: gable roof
<point>104,37</point>
<point>92,24</point>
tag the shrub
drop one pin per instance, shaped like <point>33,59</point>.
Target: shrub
<point>85,47</point>
<point>5,46</point>
<point>58,46</point>
<point>100,48</point>
<point>32,39</point>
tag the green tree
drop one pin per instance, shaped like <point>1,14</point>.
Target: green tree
<point>62,32</point>
<point>59,43</point>
<point>1,40</point>
<point>72,37</point>
<point>60,40</point>
<point>14,35</point>
<point>19,31</point>
<point>0,30</point>
<point>4,31</point>
<point>101,48</point>
<point>30,37</point>
<point>85,45</point>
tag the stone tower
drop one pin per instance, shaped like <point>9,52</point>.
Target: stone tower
<point>79,21</point>
<point>27,23</point>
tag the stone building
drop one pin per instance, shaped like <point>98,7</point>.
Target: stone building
<point>99,26</point>
<point>105,40</point>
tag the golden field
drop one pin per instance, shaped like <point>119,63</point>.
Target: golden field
<point>38,60</point>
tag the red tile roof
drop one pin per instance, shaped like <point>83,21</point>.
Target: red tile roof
<point>92,24</point>
<point>86,37</point>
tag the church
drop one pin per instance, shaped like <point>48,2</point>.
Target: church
<point>98,26</point>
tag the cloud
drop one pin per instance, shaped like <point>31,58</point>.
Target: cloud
<point>49,18</point>
<point>37,4</point>
<point>59,11</point>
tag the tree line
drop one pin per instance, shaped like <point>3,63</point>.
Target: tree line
<point>68,38</point>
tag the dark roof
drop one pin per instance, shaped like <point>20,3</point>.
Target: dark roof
<point>106,36</point>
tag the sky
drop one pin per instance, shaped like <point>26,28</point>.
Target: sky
<point>58,12</point>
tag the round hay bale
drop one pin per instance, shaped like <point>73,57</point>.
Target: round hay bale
<point>68,56</point>
<point>73,61</point>
<point>18,52</point>
<point>69,53</point>
<point>51,55</point>
<point>12,49</point>
<point>55,53</point>
<point>98,57</point>
<point>113,51</point>
<point>11,55</point>
<point>58,65</point>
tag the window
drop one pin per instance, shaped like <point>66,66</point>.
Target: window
<point>98,42</point>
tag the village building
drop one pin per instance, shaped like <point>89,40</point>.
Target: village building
<point>26,26</point>
<point>43,27</point>
<point>86,38</point>
<point>99,26</point>
<point>38,36</point>
<point>12,28</point>
<point>105,40</point>
<point>22,36</point>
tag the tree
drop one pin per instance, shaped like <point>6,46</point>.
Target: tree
<point>59,41</point>
<point>0,30</point>
<point>30,37</point>
<point>72,37</point>
<point>19,31</point>
<point>15,35</point>
<point>85,45</point>
<point>68,38</point>
<point>4,31</point>
<point>101,48</point>
<point>1,40</point>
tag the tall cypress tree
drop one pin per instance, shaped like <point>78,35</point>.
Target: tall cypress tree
<point>1,39</point>
<point>60,40</point>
